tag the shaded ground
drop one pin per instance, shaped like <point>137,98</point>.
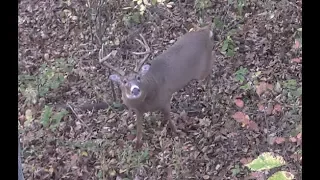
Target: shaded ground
<point>98,145</point>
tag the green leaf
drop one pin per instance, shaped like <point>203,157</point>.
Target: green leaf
<point>245,87</point>
<point>298,92</point>
<point>281,175</point>
<point>46,114</point>
<point>224,46</point>
<point>145,155</point>
<point>117,105</point>
<point>230,1</point>
<point>153,2</point>
<point>57,118</point>
<point>136,17</point>
<point>266,161</point>
<point>230,52</point>
<point>290,84</point>
<point>236,170</point>
<point>218,23</point>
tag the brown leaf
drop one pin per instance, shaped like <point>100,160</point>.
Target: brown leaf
<point>261,107</point>
<point>130,137</point>
<point>269,109</point>
<point>245,160</point>
<point>261,88</point>
<point>256,175</point>
<point>293,139</point>
<point>253,125</point>
<point>299,135</point>
<point>74,159</point>
<point>296,157</point>
<point>296,44</point>
<point>296,60</point>
<point>279,140</point>
<point>276,108</point>
<point>169,172</point>
<point>270,86</point>
<point>239,103</point>
<point>271,140</point>
<point>241,117</point>
<point>22,119</point>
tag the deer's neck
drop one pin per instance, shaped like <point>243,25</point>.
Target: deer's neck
<point>150,85</point>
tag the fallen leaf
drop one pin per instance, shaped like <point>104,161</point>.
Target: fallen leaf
<point>296,44</point>
<point>279,140</point>
<point>276,108</point>
<point>296,60</point>
<point>281,175</point>
<point>245,160</point>
<point>256,175</point>
<point>253,125</point>
<point>29,115</point>
<point>22,119</point>
<point>84,153</point>
<point>269,109</point>
<point>299,135</point>
<point>270,86</point>
<point>239,103</point>
<point>261,88</point>
<point>296,157</point>
<point>293,139</point>
<point>74,159</point>
<point>266,161</point>
<point>271,140</point>
<point>130,137</point>
<point>239,116</point>
<point>169,172</point>
<point>242,118</point>
<point>206,177</point>
<point>205,122</point>
<point>261,107</point>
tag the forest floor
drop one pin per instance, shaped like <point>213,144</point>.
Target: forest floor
<point>253,106</point>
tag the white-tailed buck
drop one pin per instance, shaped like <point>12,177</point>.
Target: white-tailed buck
<point>150,89</point>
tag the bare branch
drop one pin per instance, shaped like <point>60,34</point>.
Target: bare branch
<point>103,59</point>
<point>146,53</point>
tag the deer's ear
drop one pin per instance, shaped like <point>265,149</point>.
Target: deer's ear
<point>116,78</point>
<point>144,69</point>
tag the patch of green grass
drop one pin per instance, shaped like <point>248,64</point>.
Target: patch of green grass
<point>129,160</point>
<point>200,5</point>
<point>218,23</point>
<point>292,88</point>
<point>48,78</point>
<point>238,4</point>
<point>51,119</point>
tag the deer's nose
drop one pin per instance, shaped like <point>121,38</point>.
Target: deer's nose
<point>135,91</point>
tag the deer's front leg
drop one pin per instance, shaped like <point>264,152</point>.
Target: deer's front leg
<point>167,119</point>
<point>139,129</point>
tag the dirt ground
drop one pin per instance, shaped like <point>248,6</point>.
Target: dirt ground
<point>259,79</point>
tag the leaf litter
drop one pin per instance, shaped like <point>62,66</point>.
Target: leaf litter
<point>47,33</point>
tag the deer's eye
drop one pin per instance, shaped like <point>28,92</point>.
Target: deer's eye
<point>124,81</point>
<point>138,78</point>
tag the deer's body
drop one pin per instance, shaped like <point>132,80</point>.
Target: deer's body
<point>190,58</point>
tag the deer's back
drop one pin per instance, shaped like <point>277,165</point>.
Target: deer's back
<point>186,60</point>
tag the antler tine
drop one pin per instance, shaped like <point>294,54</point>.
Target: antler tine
<point>119,71</point>
<point>146,53</point>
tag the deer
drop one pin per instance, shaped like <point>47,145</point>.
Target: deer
<point>150,87</point>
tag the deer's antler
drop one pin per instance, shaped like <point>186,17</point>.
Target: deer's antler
<point>102,59</point>
<point>146,53</point>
